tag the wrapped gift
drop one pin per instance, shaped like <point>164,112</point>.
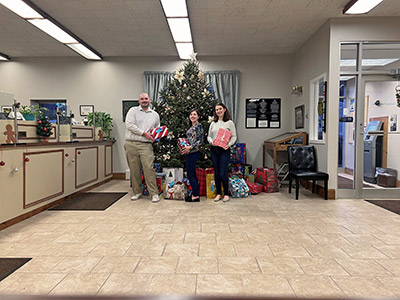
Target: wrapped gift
<point>254,187</point>
<point>201,177</point>
<point>157,167</point>
<point>159,132</point>
<point>249,177</point>
<point>160,179</point>
<point>222,138</point>
<point>173,174</point>
<point>186,182</point>
<point>211,191</point>
<point>176,191</point>
<point>182,143</point>
<point>238,153</point>
<point>238,188</point>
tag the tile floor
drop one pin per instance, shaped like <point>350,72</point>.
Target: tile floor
<point>265,245</point>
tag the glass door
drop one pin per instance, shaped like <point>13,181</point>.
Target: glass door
<point>381,138</point>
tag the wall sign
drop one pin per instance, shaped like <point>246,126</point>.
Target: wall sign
<point>263,113</point>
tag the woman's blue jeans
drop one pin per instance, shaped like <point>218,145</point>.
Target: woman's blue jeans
<point>191,160</point>
<point>220,159</point>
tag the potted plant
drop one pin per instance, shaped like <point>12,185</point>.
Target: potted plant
<point>102,120</point>
<point>27,112</point>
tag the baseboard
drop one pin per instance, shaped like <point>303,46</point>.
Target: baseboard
<point>49,205</point>
<point>119,176</point>
<point>319,190</point>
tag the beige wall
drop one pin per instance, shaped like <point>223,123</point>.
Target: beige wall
<point>107,82</point>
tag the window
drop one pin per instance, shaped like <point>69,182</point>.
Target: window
<point>317,109</point>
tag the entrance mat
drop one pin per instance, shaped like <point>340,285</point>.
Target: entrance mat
<point>391,205</point>
<point>90,201</point>
<point>10,265</point>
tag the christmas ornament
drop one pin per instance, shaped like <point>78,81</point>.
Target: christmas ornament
<point>2,163</point>
<point>26,159</point>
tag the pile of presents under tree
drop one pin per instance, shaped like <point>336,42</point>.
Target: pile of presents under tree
<point>243,180</point>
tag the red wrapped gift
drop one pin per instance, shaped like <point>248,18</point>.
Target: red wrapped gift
<point>222,138</point>
<point>201,177</point>
<point>182,143</point>
<point>254,187</point>
<point>159,132</point>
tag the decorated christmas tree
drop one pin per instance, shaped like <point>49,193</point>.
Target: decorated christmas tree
<point>43,128</point>
<point>187,90</point>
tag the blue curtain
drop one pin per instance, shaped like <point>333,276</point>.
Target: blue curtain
<point>224,83</point>
<point>226,88</point>
<point>154,82</point>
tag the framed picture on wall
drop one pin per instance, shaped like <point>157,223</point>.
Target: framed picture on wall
<point>126,105</point>
<point>299,116</point>
<point>6,109</point>
<point>85,110</point>
<point>263,113</point>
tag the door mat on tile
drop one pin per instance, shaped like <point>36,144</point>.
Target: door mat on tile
<point>346,183</point>
<point>10,265</point>
<point>90,201</point>
<point>392,205</point>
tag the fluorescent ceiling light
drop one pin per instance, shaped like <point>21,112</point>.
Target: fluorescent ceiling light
<point>184,50</point>
<point>174,8</point>
<point>371,62</point>
<point>360,7</point>
<point>84,51</point>
<point>180,29</point>
<point>3,58</point>
<point>53,30</point>
<point>21,9</point>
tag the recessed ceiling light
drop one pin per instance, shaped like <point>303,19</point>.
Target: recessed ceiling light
<point>84,51</point>
<point>21,9</point>
<point>174,8</point>
<point>180,29</point>
<point>355,7</point>
<point>53,30</point>
<point>184,50</point>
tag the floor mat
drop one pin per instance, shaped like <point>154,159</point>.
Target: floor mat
<point>90,201</point>
<point>392,205</point>
<point>10,265</point>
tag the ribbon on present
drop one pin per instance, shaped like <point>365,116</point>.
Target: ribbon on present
<point>159,132</point>
<point>222,138</point>
<point>182,143</point>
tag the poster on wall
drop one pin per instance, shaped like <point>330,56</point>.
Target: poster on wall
<point>263,113</point>
<point>393,122</point>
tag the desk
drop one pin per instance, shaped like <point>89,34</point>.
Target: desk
<point>281,142</point>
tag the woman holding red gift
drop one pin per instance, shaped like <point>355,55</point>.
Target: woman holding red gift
<point>195,137</point>
<point>221,136</point>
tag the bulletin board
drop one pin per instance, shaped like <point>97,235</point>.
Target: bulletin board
<point>263,113</point>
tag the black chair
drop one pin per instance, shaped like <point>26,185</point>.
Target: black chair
<point>303,166</point>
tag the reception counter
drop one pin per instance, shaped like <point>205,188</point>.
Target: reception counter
<point>36,176</point>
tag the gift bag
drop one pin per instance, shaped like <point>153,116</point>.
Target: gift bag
<point>182,143</point>
<point>269,178</point>
<point>157,167</point>
<point>249,177</point>
<point>160,179</point>
<point>238,188</point>
<point>238,154</point>
<point>222,138</point>
<point>254,187</point>
<point>211,191</point>
<point>173,175</point>
<point>159,132</point>
<point>186,182</point>
<point>201,177</point>
<point>176,191</point>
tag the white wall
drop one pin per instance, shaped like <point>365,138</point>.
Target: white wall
<point>310,61</point>
<point>384,91</point>
<point>106,83</point>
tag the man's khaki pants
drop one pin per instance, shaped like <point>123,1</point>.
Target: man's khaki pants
<point>140,154</point>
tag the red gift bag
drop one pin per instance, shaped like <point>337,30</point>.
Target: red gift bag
<point>254,187</point>
<point>268,177</point>
<point>201,177</point>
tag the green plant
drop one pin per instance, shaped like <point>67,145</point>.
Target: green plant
<point>102,120</point>
<point>25,109</point>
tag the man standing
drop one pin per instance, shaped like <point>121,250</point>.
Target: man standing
<point>138,146</point>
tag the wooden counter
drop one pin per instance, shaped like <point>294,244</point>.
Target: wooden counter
<point>35,175</point>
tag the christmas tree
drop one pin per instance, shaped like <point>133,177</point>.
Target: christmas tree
<point>187,90</point>
<point>43,128</point>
